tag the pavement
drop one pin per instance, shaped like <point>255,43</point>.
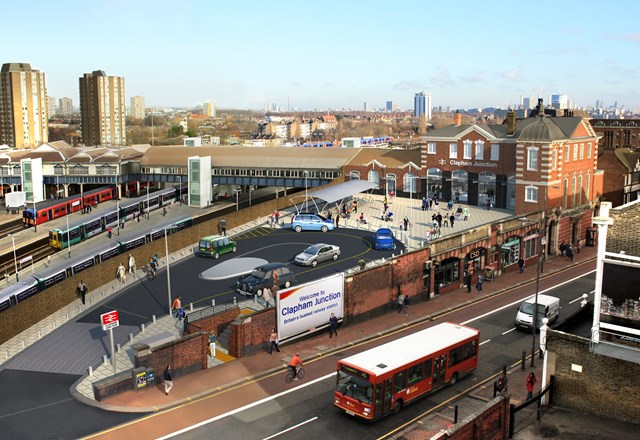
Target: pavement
<point>225,372</point>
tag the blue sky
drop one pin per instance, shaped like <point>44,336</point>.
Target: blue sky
<point>333,54</point>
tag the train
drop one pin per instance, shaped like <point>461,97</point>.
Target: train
<point>55,273</point>
<point>89,226</point>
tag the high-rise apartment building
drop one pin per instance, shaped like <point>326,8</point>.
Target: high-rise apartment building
<point>137,107</point>
<point>209,109</point>
<point>51,105</point>
<point>389,106</point>
<point>66,107</point>
<point>23,106</point>
<point>102,109</point>
<point>422,105</point>
<point>559,101</point>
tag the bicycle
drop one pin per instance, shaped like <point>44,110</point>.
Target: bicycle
<point>363,201</point>
<point>299,374</point>
<point>151,272</point>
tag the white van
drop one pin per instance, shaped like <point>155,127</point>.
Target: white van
<point>548,307</point>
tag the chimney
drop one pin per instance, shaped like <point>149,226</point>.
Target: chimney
<point>457,118</point>
<point>511,123</point>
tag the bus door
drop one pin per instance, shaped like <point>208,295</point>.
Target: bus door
<point>439,370</point>
<point>383,398</point>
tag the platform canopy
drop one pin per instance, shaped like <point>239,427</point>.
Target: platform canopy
<point>336,193</point>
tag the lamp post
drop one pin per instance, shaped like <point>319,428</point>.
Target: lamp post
<point>118,197</point>
<point>166,250</point>
<point>68,238</point>
<point>148,207</point>
<point>237,197</point>
<point>306,191</point>
<point>35,216</point>
<point>180,189</point>
<point>15,259</point>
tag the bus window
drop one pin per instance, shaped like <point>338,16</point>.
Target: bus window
<point>399,381</point>
<point>415,374</point>
<point>355,387</point>
<point>427,368</point>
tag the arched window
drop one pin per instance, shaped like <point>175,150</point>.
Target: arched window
<point>434,182</point>
<point>354,175</point>
<point>580,190</point>
<point>574,191</point>
<point>374,178</point>
<point>409,183</point>
<point>565,191</point>
<point>459,185</point>
<point>391,183</point>
<point>587,187</point>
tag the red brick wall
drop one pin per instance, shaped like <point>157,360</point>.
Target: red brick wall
<point>490,423</point>
<point>614,176</point>
<point>250,333</point>
<point>214,323</point>
<point>185,355</point>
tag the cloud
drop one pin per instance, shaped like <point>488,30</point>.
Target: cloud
<point>561,52</point>
<point>409,85</point>
<point>473,78</point>
<point>442,77</point>
<point>511,75</point>
<point>625,37</point>
<point>328,85</point>
<point>295,84</point>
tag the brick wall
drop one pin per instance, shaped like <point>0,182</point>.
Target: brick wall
<point>489,423</point>
<point>214,323</point>
<point>113,385</point>
<point>624,233</point>
<point>250,333</point>
<point>185,355</point>
<point>606,386</point>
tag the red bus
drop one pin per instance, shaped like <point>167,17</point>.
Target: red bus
<point>381,380</point>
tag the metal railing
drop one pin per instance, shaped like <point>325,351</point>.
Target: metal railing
<point>523,415</point>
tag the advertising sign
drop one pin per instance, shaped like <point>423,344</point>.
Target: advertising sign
<point>302,309</point>
<point>109,320</point>
<point>620,306</point>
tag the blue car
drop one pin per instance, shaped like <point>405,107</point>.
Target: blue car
<point>384,240</point>
<point>310,222</point>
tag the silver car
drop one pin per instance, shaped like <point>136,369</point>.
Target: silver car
<point>317,253</point>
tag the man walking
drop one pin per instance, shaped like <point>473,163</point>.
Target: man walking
<point>132,264</point>
<point>333,325</point>
<point>521,264</point>
<point>479,282</point>
<point>81,290</point>
<point>223,226</point>
<point>406,303</point>
<point>168,380</point>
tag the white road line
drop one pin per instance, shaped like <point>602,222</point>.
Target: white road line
<point>251,405</point>
<point>580,297</point>
<point>484,342</point>
<point>520,300</point>
<point>508,331</point>
<point>290,429</point>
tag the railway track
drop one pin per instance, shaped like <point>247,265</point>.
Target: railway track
<point>11,227</point>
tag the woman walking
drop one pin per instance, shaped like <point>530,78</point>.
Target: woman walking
<point>273,341</point>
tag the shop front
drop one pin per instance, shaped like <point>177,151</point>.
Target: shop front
<point>447,274</point>
<point>510,252</point>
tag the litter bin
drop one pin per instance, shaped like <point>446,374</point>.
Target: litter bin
<point>592,236</point>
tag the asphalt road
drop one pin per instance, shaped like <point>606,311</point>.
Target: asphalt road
<point>307,412</point>
<point>38,404</point>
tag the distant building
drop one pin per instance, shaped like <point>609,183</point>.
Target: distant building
<point>102,108</point>
<point>23,106</point>
<point>422,105</point>
<point>559,101</point>
<point>365,106</point>
<point>137,107</point>
<point>51,105</point>
<point>209,109</point>
<point>528,103</point>
<point>389,106</point>
<point>65,107</point>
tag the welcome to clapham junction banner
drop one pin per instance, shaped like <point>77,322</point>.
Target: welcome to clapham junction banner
<point>302,309</point>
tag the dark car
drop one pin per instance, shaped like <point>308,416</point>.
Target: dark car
<point>261,278</point>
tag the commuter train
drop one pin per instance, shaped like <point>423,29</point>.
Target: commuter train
<point>55,273</point>
<point>95,224</point>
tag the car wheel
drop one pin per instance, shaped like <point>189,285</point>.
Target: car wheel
<point>324,228</point>
<point>234,249</point>
<point>287,284</point>
<point>314,263</point>
<point>335,257</point>
<point>216,256</point>
<point>397,406</point>
<point>298,228</point>
<point>259,292</point>
<point>454,379</point>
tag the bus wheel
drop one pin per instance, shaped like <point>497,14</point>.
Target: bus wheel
<point>454,379</point>
<point>397,405</point>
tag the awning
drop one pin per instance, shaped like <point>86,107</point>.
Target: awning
<point>338,192</point>
<point>506,247</point>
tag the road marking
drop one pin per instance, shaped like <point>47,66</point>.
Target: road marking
<point>580,297</point>
<point>251,405</point>
<point>35,408</point>
<point>484,342</point>
<point>508,331</point>
<point>290,429</point>
<point>520,300</point>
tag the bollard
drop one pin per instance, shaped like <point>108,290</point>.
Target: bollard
<point>191,307</point>
<point>105,359</point>
<point>39,334</point>
<point>255,299</point>
<point>23,345</point>
<point>53,325</point>
<point>6,355</point>
<point>102,294</point>
<point>235,301</point>
<point>90,370</point>
<point>142,329</point>
<point>213,303</point>
<point>153,318</point>
<point>90,301</point>
<point>130,336</point>
<point>522,362</point>
<point>118,348</point>
<point>66,316</point>
<point>455,414</point>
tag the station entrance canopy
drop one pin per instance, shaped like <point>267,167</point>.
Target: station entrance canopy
<point>335,193</point>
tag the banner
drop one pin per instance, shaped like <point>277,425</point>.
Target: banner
<point>302,309</point>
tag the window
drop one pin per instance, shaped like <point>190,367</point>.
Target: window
<point>354,175</point>
<point>580,190</point>
<point>409,183</point>
<point>453,151</point>
<point>510,251</point>
<point>566,153</point>
<point>479,150</point>
<point>554,160</point>
<point>399,381</point>
<point>532,158</point>
<point>565,190</point>
<point>589,147</point>
<point>427,367</point>
<point>448,272</point>
<point>415,374</point>
<point>531,194</point>
<point>495,152</point>
<point>374,177</point>
<point>581,151</point>
<point>573,191</point>
<point>530,244</point>
<point>431,148</point>
<point>575,152</point>
<point>468,150</point>
<point>586,186</point>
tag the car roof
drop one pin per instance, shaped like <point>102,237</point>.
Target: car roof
<point>383,231</point>
<point>271,266</point>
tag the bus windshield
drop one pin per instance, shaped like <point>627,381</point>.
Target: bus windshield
<point>355,387</point>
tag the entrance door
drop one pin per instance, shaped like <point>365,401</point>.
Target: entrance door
<point>385,396</point>
<point>439,369</point>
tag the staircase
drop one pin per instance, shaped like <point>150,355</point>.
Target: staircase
<point>223,338</point>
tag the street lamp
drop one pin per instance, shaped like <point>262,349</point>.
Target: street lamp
<point>35,216</point>
<point>15,259</point>
<point>166,250</point>
<point>68,238</point>
<point>148,207</point>
<point>118,197</point>
<point>306,193</point>
<point>180,189</point>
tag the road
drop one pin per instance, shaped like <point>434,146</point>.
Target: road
<point>260,410</point>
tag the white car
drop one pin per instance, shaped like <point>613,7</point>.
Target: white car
<point>317,253</point>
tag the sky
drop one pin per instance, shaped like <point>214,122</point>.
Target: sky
<point>333,54</point>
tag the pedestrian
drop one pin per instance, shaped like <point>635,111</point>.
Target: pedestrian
<point>521,264</point>
<point>406,303</point>
<point>386,206</point>
<point>479,282</point>
<point>562,247</point>
<point>578,246</point>
<point>452,218</point>
<point>405,222</point>
<point>465,212</point>
<point>400,302</point>
<point>268,296</point>
<point>122,274</point>
<point>439,220</point>
<point>168,380</point>
<point>176,308</point>
<point>223,226</point>
<point>164,211</point>
<point>430,203</point>
<point>138,217</point>
<point>488,204</point>
<point>384,202</point>
<point>355,205</point>
<point>337,217</point>
<point>467,281</point>
<point>424,203</point>
<point>109,232</point>
<point>273,341</point>
<point>132,264</point>
<point>333,325</point>
<point>81,290</point>
<point>277,218</point>
<point>362,219</point>
<point>457,194</point>
<point>531,383</point>
<point>569,251</point>
<point>276,279</point>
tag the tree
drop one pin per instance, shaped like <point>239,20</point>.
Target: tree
<point>175,131</point>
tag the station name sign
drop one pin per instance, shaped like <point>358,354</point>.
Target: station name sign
<point>475,163</point>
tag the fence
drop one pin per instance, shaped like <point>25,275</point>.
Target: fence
<point>526,413</point>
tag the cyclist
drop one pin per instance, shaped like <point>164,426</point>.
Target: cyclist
<point>153,265</point>
<point>293,365</point>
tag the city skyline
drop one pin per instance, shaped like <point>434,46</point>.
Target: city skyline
<point>246,55</point>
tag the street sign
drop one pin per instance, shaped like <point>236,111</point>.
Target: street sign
<point>109,320</point>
